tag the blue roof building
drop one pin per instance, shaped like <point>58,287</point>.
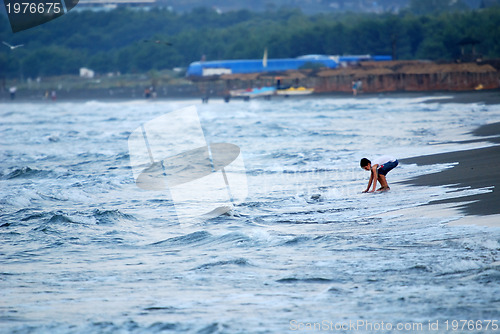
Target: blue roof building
<point>243,66</point>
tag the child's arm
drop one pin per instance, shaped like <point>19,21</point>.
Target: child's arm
<point>369,183</point>
<point>374,176</point>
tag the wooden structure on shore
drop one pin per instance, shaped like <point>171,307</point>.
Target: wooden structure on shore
<point>409,76</point>
<point>376,77</point>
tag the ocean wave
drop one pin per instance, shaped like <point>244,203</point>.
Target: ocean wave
<point>27,173</point>
<point>60,219</point>
<point>295,280</point>
<point>111,216</point>
<point>21,198</point>
<point>163,309</point>
<point>203,238</point>
<point>295,241</point>
<point>489,276</point>
<point>237,239</point>
<point>234,262</point>
<point>51,218</point>
<point>479,244</point>
<point>457,267</point>
<point>127,326</point>
<point>56,222</point>
<point>189,239</point>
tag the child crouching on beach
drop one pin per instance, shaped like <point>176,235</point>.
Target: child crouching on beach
<point>379,169</point>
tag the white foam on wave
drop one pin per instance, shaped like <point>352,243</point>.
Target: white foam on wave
<point>414,205</point>
<point>489,220</point>
<point>457,267</point>
<point>19,199</point>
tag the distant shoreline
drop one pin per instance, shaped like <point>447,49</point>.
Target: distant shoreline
<point>190,92</point>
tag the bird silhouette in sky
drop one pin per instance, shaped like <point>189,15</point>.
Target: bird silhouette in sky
<point>12,47</point>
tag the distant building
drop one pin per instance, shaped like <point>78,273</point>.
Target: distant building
<point>202,69</point>
<point>86,73</point>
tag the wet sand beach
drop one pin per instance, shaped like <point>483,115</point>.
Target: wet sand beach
<point>476,168</point>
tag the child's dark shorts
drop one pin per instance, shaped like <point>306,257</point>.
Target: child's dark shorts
<point>387,167</point>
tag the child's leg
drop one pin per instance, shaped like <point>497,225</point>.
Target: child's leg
<point>386,168</point>
<point>383,182</point>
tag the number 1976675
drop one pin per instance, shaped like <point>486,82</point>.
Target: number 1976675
<point>34,8</point>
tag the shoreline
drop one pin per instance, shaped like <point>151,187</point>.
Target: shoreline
<point>476,169</point>
<point>487,97</point>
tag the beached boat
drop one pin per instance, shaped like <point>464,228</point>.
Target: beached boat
<point>253,92</point>
<point>295,91</point>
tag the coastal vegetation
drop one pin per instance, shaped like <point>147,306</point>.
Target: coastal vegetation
<point>131,41</point>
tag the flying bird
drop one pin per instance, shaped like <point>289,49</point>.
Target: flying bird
<point>12,47</point>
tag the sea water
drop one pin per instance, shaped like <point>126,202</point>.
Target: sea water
<point>84,250</point>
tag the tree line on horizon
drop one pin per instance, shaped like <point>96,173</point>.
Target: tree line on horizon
<point>137,41</point>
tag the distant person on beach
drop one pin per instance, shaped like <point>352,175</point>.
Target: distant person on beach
<point>12,91</point>
<point>356,87</point>
<point>379,169</point>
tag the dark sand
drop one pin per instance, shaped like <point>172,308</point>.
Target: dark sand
<point>482,96</point>
<point>477,168</point>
